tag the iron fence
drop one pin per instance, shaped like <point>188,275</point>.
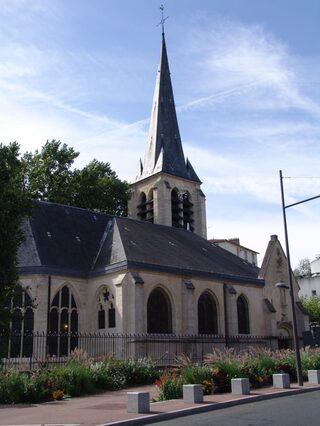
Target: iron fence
<point>30,351</point>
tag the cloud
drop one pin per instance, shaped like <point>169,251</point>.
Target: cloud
<point>235,60</point>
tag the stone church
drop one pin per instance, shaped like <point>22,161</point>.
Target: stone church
<point>155,271</point>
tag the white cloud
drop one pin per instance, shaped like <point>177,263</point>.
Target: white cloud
<point>245,61</point>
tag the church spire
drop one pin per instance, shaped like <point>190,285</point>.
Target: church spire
<point>164,151</point>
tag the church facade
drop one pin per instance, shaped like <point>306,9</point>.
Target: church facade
<point>153,272</point>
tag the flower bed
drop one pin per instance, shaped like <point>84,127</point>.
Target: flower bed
<point>222,366</point>
<point>79,376</point>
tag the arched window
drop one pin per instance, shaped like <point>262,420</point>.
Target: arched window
<point>176,209</point>
<point>159,315</point>
<point>207,314</point>
<point>63,323</point>
<point>187,212</point>
<point>142,206</point>
<point>243,315</point>
<point>106,310</point>
<point>21,326</point>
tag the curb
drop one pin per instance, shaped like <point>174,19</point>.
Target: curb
<point>154,418</point>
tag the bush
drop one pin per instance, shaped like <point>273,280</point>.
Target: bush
<point>195,374</point>
<point>139,372</point>
<point>13,387</point>
<point>310,360</point>
<point>77,379</point>
<point>285,362</point>
<point>170,385</point>
<point>106,376</point>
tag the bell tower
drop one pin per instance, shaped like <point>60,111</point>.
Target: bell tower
<point>167,189</point>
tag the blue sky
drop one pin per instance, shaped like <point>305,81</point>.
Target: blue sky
<point>246,77</point>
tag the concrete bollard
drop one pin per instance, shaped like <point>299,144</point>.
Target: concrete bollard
<point>240,386</point>
<point>314,376</point>
<point>192,393</point>
<point>281,381</point>
<point>138,402</point>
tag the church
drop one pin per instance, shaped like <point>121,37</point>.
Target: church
<point>153,272</point>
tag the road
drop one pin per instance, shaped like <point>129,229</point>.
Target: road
<point>295,410</point>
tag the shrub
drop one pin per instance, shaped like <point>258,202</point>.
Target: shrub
<point>170,386</point>
<point>77,379</point>
<point>310,360</point>
<point>106,376</point>
<point>195,374</point>
<point>37,389</point>
<point>13,387</point>
<point>138,372</point>
<point>284,362</point>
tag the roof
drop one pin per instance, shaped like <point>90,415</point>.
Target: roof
<point>64,240</point>
<point>164,152</point>
<point>232,241</point>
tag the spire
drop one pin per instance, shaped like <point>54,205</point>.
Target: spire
<point>164,136</point>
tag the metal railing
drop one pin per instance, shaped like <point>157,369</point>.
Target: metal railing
<point>34,350</point>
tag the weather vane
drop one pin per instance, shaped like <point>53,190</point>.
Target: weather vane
<point>163,20</point>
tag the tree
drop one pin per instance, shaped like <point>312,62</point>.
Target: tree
<point>49,176</point>
<point>97,187</point>
<point>303,268</point>
<point>14,206</point>
<point>312,304</point>
<point>48,173</point>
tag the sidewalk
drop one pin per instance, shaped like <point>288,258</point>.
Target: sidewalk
<point>111,408</point>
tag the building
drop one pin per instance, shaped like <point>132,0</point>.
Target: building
<point>154,272</point>
<point>233,245</point>
<point>310,284</point>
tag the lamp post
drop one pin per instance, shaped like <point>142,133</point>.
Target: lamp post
<point>293,305</point>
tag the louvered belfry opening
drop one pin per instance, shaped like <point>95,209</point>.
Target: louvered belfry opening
<point>145,207</point>
<point>142,207</point>
<point>187,212</point>
<point>176,209</point>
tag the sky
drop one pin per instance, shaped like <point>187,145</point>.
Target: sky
<point>246,80</point>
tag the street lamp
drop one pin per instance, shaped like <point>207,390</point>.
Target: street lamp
<point>293,305</point>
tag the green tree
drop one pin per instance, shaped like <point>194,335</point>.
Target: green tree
<point>49,176</point>
<point>303,269</point>
<point>97,187</point>
<point>14,206</point>
<point>312,304</point>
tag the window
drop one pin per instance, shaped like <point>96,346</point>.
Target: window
<point>106,305</point>
<point>243,315</point>
<point>21,326</point>
<point>63,323</point>
<point>159,318</point>
<point>314,292</point>
<point>207,314</point>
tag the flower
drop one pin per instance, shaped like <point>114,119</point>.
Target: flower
<point>58,394</point>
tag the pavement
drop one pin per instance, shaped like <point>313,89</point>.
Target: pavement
<point>110,408</point>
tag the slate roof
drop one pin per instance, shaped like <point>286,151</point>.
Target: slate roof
<point>61,238</point>
<point>64,240</point>
<point>164,152</point>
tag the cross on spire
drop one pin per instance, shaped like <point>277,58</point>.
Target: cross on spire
<point>163,20</point>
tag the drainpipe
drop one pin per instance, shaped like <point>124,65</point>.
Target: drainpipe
<point>226,330</point>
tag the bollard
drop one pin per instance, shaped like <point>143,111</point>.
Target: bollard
<point>240,386</point>
<point>192,393</point>
<point>138,402</point>
<point>314,376</point>
<point>281,381</point>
